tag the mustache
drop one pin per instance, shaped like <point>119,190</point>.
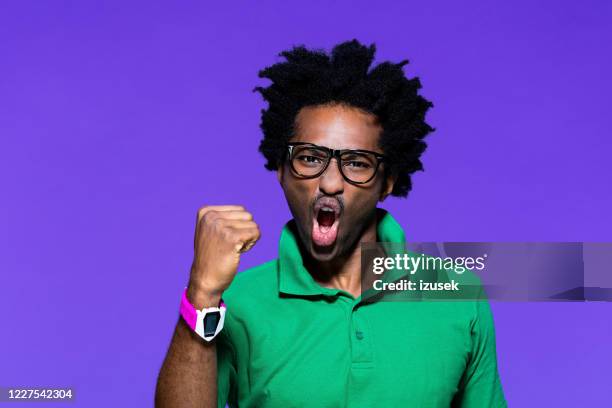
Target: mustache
<point>338,198</point>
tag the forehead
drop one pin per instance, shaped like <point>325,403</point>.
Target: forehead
<point>337,127</point>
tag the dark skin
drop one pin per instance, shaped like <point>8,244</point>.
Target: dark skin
<point>336,127</point>
<point>188,377</point>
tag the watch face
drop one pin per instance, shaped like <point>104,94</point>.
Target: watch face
<point>211,321</point>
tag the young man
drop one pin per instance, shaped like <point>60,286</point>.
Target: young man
<point>296,331</point>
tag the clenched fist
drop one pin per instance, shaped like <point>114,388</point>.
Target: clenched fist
<point>223,233</point>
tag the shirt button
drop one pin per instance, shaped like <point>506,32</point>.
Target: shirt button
<point>359,335</point>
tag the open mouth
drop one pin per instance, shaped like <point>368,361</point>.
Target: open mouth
<point>325,222</point>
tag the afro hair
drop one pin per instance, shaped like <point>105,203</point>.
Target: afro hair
<point>312,77</point>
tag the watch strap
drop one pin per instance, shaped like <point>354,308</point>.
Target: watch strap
<point>188,311</point>
<point>197,319</point>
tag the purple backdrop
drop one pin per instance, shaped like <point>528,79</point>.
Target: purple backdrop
<point>118,120</point>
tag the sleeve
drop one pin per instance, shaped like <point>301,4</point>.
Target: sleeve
<point>480,385</point>
<point>226,371</point>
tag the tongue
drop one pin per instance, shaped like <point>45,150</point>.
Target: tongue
<point>324,228</point>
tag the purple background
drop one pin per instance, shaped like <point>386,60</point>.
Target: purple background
<point>118,120</point>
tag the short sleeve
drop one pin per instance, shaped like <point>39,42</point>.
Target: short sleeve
<point>226,371</point>
<point>480,386</point>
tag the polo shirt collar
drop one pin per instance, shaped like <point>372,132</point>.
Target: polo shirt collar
<point>293,277</point>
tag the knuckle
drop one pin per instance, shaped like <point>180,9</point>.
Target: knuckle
<point>228,235</point>
<point>210,217</point>
<point>219,223</point>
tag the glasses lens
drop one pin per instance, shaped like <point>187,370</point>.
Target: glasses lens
<point>307,160</point>
<point>358,166</point>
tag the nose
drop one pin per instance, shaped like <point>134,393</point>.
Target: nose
<point>331,181</point>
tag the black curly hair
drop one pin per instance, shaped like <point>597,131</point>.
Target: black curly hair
<point>312,77</point>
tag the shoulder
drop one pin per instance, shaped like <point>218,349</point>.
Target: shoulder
<point>460,292</point>
<point>256,282</point>
<point>250,297</point>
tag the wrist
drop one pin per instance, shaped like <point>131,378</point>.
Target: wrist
<point>206,321</point>
<point>201,296</point>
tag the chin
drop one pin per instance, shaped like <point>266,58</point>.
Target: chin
<point>324,254</point>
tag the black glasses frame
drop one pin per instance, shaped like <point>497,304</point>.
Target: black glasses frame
<point>330,154</point>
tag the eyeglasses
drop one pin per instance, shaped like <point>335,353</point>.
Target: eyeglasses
<point>309,160</point>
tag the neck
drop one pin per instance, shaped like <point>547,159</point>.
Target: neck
<point>344,271</point>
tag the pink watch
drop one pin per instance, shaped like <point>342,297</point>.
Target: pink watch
<point>208,322</point>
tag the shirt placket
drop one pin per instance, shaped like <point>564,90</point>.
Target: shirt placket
<point>361,339</point>
<point>362,362</point>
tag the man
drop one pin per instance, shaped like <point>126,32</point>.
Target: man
<point>296,330</point>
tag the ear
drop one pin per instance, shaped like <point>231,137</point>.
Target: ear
<point>387,186</point>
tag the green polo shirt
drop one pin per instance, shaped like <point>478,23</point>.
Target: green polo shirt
<point>289,342</point>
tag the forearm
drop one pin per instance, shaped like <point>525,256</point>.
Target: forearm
<point>188,377</point>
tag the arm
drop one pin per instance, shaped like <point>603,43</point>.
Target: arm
<point>188,377</point>
<point>480,386</point>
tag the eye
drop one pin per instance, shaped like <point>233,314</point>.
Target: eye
<point>357,164</point>
<point>309,159</point>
